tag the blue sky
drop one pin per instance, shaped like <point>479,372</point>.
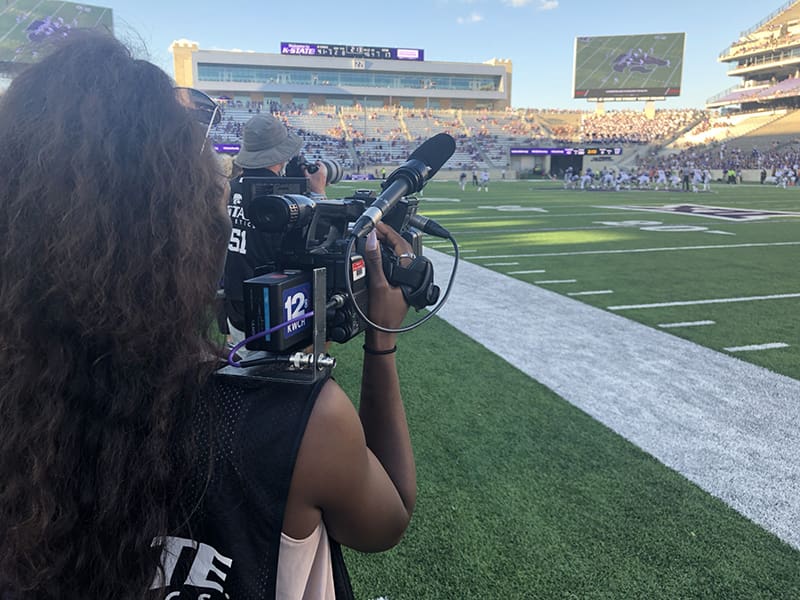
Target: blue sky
<point>537,35</point>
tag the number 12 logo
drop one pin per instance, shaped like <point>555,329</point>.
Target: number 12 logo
<point>295,305</point>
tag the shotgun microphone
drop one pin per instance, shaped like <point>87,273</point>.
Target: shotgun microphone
<point>409,178</point>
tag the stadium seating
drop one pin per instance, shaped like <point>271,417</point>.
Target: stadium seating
<point>634,127</point>
<point>563,125</point>
<point>729,127</point>
<point>774,135</point>
<point>368,139</point>
<point>365,138</point>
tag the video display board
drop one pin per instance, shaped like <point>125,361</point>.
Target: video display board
<point>24,24</point>
<point>604,151</point>
<point>628,66</point>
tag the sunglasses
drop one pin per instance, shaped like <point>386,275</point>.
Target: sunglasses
<point>201,107</point>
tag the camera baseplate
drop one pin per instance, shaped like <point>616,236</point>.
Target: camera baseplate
<point>297,367</point>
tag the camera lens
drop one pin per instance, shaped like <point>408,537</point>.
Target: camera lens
<point>295,168</point>
<point>335,170</point>
<point>274,214</point>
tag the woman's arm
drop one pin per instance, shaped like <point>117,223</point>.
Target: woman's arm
<point>357,469</point>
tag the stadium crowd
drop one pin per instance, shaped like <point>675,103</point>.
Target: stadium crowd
<point>629,127</point>
<point>720,155</point>
<point>362,137</point>
<point>771,37</point>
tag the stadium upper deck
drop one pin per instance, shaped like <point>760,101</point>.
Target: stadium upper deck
<point>285,79</point>
<point>767,58</point>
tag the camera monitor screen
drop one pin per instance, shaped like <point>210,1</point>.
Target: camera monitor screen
<point>629,66</point>
<point>26,24</point>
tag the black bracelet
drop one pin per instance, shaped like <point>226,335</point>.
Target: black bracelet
<point>379,352</point>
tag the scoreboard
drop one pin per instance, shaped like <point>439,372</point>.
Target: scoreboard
<point>27,25</point>
<point>643,66</point>
<point>598,151</point>
<point>345,51</point>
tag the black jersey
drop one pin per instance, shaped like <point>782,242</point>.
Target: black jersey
<point>228,545</point>
<point>248,249</point>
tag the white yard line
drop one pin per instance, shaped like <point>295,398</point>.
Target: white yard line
<point>710,301</point>
<point>639,250</point>
<point>674,227</point>
<point>727,425</point>
<point>498,216</point>
<point>591,293</point>
<point>686,324</point>
<point>555,281</point>
<point>755,347</point>
<point>526,272</point>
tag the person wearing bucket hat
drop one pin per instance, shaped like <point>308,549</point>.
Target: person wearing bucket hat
<point>266,142</point>
<point>267,145</point>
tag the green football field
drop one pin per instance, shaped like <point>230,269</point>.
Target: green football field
<point>522,495</point>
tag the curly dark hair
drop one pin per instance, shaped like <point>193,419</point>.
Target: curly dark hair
<point>112,239</point>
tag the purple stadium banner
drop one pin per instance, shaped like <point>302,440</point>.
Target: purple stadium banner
<point>298,49</point>
<point>529,151</point>
<point>227,148</point>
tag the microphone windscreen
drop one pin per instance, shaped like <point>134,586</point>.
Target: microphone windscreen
<point>435,151</point>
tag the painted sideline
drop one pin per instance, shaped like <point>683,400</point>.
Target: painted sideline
<point>727,425</point>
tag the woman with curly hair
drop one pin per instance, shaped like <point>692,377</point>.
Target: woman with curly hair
<point>128,469</point>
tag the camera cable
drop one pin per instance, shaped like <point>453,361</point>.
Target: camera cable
<point>349,285</point>
<point>259,361</point>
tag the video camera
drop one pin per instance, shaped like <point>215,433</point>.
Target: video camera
<point>296,165</point>
<point>315,287</point>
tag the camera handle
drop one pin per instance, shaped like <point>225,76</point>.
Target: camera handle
<point>349,284</point>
